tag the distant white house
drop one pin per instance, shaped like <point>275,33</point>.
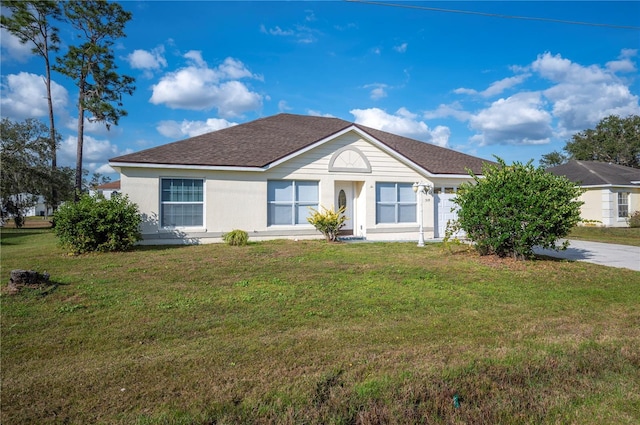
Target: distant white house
<point>612,192</point>
<point>107,189</point>
<point>40,209</point>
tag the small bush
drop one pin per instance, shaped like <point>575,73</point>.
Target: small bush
<point>98,224</point>
<point>328,222</point>
<point>634,219</point>
<point>236,237</point>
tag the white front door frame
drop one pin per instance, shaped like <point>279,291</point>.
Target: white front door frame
<point>349,200</point>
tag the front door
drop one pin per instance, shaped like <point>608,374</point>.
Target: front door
<point>446,210</point>
<point>344,198</point>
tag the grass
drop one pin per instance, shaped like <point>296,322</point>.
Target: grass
<point>316,333</point>
<point>617,235</point>
<point>31,223</point>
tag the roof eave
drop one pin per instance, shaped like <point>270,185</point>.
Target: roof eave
<point>186,166</point>
<point>609,185</point>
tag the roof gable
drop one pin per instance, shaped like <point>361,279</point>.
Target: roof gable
<point>593,173</point>
<point>268,141</point>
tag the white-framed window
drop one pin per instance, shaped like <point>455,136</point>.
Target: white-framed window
<point>623,204</point>
<point>395,203</point>
<point>288,201</point>
<point>181,202</point>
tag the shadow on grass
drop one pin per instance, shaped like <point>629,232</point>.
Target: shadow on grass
<point>35,290</point>
<point>6,235</point>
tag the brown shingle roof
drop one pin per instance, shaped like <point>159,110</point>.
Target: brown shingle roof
<point>261,142</point>
<point>115,185</point>
<point>593,173</point>
<point>435,159</point>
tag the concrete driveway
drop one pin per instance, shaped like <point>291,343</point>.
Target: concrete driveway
<point>606,254</point>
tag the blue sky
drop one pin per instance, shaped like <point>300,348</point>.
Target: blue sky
<point>481,85</point>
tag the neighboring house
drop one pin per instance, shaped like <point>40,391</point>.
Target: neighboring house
<point>612,192</point>
<point>39,209</point>
<point>107,189</point>
<point>263,176</point>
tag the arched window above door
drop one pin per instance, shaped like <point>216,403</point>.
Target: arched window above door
<point>349,160</point>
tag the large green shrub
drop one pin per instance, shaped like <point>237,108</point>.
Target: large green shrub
<point>513,208</point>
<point>328,222</point>
<point>98,224</point>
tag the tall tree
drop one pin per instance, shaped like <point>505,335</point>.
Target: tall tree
<point>25,153</point>
<point>615,140</point>
<point>91,65</point>
<point>552,159</point>
<point>31,21</point>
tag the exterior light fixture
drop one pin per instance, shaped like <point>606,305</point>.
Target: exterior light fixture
<point>419,189</point>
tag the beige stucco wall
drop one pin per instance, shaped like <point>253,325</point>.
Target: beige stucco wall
<point>591,209</point>
<point>600,206</point>
<point>238,199</point>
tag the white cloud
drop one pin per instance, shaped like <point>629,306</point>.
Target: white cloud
<point>624,62</point>
<point>276,31</point>
<point>147,60</point>
<point>283,106</point>
<point>454,110</point>
<point>195,57</point>
<point>13,48</point>
<point>495,88</point>
<point>582,95</point>
<point>95,153</point>
<point>402,48</point>
<point>179,130</point>
<point>346,27</point>
<point>199,87</point>
<point>378,90</point>
<point>519,119</point>
<point>310,17</point>
<point>233,98</point>
<point>575,97</point>
<point>560,70</point>
<point>93,127</point>
<point>315,113</point>
<point>378,93</point>
<point>104,169</point>
<point>463,90</point>
<point>301,33</point>
<point>403,122</point>
<point>440,136</point>
<point>233,69</point>
<point>24,95</point>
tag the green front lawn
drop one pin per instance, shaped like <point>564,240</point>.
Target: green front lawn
<point>617,235</point>
<point>316,333</point>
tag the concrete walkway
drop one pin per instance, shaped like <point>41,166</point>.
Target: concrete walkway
<point>605,254</point>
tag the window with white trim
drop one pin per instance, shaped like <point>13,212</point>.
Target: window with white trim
<point>623,204</point>
<point>395,203</point>
<point>181,203</point>
<point>288,201</point>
